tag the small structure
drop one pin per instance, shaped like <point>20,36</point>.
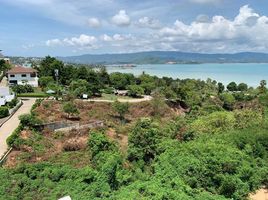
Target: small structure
<point>5,96</point>
<point>84,96</point>
<point>121,92</point>
<point>19,75</point>
<point>50,92</point>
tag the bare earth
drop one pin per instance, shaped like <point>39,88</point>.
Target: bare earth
<point>261,194</point>
<point>7,129</point>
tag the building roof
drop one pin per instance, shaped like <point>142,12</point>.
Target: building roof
<point>21,70</point>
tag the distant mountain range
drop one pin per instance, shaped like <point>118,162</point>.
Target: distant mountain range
<point>162,57</point>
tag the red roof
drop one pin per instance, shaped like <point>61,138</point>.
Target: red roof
<point>21,70</point>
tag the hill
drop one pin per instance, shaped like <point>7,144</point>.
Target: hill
<point>161,57</point>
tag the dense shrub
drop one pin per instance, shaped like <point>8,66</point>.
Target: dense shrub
<point>29,120</point>
<point>98,142</point>
<point>135,91</point>
<point>22,89</point>
<point>214,123</point>
<point>4,112</point>
<point>143,140</point>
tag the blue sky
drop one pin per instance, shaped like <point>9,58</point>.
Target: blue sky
<point>74,27</point>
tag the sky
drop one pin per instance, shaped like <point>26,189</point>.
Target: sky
<point>76,27</point>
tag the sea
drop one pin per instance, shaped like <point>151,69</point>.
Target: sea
<point>249,73</point>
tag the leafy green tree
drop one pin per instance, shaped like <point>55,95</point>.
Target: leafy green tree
<point>143,140</point>
<point>48,66</point>
<point>79,87</point>
<point>104,76</point>
<point>98,142</point>
<point>262,86</point>
<point>121,108</point>
<point>135,91</point>
<point>232,86</point>
<point>158,104</point>
<point>44,81</point>
<point>220,88</point>
<point>242,87</point>
<point>121,81</point>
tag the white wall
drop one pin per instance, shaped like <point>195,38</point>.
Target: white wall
<point>33,81</point>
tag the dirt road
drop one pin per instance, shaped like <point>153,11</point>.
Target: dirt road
<point>7,129</point>
<point>261,194</point>
<point>145,98</point>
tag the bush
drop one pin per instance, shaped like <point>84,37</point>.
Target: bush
<point>13,139</point>
<point>22,89</point>
<point>13,103</point>
<point>4,112</point>
<point>98,142</point>
<point>70,108</point>
<point>214,123</point>
<point>228,100</point>
<point>135,91</point>
<point>247,118</point>
<point>29,120</point>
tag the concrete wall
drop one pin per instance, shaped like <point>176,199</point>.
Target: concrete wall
<point>33,81</point>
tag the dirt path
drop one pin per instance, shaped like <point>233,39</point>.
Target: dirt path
<point>261,194</point>
<point>3,83</point>
<point>145,98</point>
<point>7,129</point>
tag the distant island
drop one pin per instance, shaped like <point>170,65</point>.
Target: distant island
<point>166,57</point>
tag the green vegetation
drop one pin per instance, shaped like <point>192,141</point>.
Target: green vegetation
<point>4,111</point>
<point>121,108</point>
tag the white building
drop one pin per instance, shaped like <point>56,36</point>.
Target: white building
<point>5,96</point>
<point>19,75</point>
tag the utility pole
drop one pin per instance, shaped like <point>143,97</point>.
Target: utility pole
<point>56,71</point>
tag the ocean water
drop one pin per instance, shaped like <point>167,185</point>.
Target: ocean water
<point>250,73</point>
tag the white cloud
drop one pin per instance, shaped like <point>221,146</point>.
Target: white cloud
<point>94,22</point>
<point>246,27</point>
<point>53,42</point>
<point>147,22</point>
<point>83,41</point>
<point>106,38</point>
<point>245,32</point>
<point>121,19</point>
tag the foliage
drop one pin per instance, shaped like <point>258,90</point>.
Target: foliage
<point>29,120</point>
<point>158,104</point>
<point>22,89</point>
<point>120,80</point>
<point>228,100</point>
<point>80,87</point>
<point>242,87</point>
<point>44,81</point>
<point>214,123</point>
<point>70,108</point>
<point>232,87</point>
<point>121,109</point>
<point>220,87</point>
<point>143,141</point>
<point>98,142</point>
<point>4,112</point>
<point>135,91</point>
